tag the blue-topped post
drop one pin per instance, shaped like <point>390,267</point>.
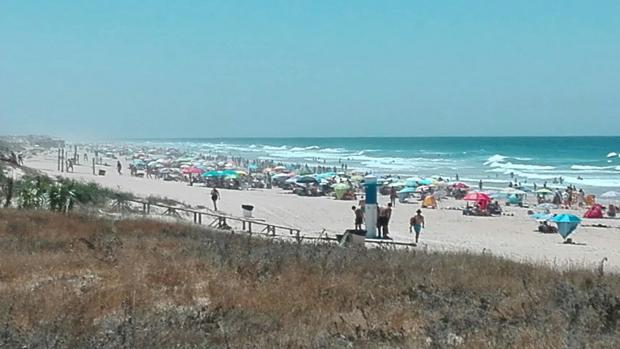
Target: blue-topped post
<point>370,208</point>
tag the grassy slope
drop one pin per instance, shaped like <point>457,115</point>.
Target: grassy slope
<point>74,281</point>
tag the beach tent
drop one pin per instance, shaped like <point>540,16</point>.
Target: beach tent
<point>567,223</point>
<point>596,211</point>
<point>480,198</point>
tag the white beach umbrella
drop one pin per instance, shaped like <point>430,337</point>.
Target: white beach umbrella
<point>611,195</point>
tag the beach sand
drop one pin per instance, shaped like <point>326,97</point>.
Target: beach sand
<point>512,237</point>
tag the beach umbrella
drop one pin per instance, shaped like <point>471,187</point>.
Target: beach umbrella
<point>279,168</point>
<point>544,191</point>
<point>460,185</point>
<point>426,181</point>
<point>477,196</point>
<point>212,174</point>
<point>411,182</point>
<point>267,170</point>
<point>291,180</point>
<point>567,223</point>
<point>241,173</point>
<point>397,184</point>
<point>611,195</point>
<point>546,206</point>
<point>357,178</point>
<point>422,188</point>
<point>407,190</point>
<point>192,170</point>
<point>541,217</point>
<point>307,179</point>
<point>282,175</point>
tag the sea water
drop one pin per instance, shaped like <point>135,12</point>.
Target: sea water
<point>589,162</point>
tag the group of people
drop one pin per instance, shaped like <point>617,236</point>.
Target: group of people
<point>384,214</point>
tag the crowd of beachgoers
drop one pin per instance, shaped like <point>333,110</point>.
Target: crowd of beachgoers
<point>338,181</point>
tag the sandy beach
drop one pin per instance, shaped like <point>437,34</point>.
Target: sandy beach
<point>512,236</point>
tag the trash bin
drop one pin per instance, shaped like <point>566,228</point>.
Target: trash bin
<point>247,210</point>
<point>102,172</point>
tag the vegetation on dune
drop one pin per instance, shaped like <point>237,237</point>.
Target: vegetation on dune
<point>71,281</point>
<point>60,194</point>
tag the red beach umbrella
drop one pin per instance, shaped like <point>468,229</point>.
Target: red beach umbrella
<point>477,196</point>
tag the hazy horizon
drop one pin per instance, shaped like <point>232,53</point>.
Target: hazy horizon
<point>101,70</point>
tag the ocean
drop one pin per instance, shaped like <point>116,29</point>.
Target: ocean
<point>589,162</point>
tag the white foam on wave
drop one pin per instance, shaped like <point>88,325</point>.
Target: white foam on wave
<point>270,147</point>
<point>588,168</point>
<point>511,166</point>
<point>495,158</point>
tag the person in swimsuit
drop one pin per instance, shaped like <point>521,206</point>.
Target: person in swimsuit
<point>359,217</point>
<point>416,223</point>
<point>215,195</point>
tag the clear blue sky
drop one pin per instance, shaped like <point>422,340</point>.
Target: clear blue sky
<point>309,68</point>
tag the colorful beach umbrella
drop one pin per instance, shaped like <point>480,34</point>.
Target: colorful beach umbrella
<point>544,191</point>
<point>460,185</point>
<point>567,223</point>
<point>477,196</point>
<point>192,170</point>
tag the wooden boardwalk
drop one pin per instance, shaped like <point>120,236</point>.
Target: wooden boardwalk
<point>238,224</point>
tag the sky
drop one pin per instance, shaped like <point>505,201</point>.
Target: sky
<point>142,69</point>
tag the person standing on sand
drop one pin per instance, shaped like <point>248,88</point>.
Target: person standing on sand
<point>359,217</point>
<point>215,195</point>
<point>480,185</point>
<point>383,221</point>
<point>119,167</point>
<point>416,223</point>
<point>393,196</point>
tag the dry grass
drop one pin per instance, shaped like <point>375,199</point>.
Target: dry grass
<point>74,281</point>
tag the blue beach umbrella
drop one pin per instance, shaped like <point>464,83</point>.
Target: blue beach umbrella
<point>412,182</point>
<point>407,190</point>
<point>542,217</point>
<point>212,174</point>
<point>567,223</point>
<point>425,181</point>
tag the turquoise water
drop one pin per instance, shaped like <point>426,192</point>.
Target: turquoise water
<point>583,161</point>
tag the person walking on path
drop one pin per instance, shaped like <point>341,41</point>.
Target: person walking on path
<point>215,195</point>
<point>416,223</point>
